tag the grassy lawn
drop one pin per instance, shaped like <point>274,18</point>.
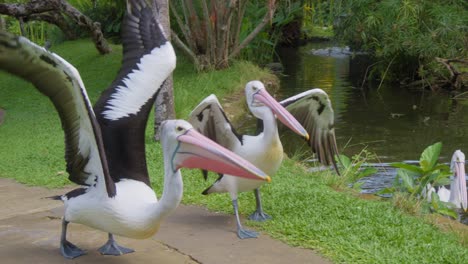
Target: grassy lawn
<point>306,211</point>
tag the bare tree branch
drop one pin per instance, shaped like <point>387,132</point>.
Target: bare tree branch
<point>29,8</point>
<point>215,39</point>
<point>252,34</point>
<point>180,44</point>
<point>185,30</point>
<point>44,9</point>
<point>210,41</point>
<point>57,19</point>
<point>240,16</point>
<point>93,27</point>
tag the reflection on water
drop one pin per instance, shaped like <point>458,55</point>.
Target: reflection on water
<point>394,123</point>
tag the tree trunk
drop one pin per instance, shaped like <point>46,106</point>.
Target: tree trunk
<point>211,30</point>
<point>21,26</point>
<point>2,23</point>
<point>164,106</point>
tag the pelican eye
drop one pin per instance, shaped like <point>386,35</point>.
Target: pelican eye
<point>179,128</point>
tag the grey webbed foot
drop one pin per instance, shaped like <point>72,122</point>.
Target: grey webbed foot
<point>67,249</point>
<point>70,251</point>
<point>112,248</point>
<point>244,234</point>
<point>241,232</point>
<point>259,216</point>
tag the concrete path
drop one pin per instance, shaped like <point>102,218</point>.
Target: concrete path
<point>30,230</point>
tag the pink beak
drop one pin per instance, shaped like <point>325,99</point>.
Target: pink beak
<point>197,151</point>
<point>281,113</point>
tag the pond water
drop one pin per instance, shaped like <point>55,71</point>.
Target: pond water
<point>395,123</point>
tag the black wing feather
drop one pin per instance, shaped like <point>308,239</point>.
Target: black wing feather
<point>61,82</point>
<point>314,111</point>
<point>124,137</point>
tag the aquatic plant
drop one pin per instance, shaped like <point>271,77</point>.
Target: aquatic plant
<point>415,180</point>
<point>351,170</point>
<point>354,168</point>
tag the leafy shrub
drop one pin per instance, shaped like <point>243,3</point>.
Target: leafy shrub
<point>407,36</point>
<point>107,12</point>
<point>415,180</point>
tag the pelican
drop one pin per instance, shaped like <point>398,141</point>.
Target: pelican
<point>457,194</point>
<point>105,148</point>
<point>265,149</point>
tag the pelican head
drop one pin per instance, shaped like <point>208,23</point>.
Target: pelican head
<point>260,102</point>
<point>458,194</point>
<point>189,149</point>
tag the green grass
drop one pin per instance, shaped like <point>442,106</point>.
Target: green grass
<point>306,211</point>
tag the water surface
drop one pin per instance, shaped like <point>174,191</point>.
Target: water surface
<point>393,122</point>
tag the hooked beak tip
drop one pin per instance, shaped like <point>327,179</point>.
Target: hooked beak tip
<point>268,179</point>
<point>307,137</point>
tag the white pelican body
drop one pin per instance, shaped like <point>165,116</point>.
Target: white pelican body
<point>457,194</point>
<point>128,214</point>
<point>105,146</point>
<point>265,149</point>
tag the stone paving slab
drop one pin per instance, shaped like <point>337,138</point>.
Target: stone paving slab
<point>30,230</point>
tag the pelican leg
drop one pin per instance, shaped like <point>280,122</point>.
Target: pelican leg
<point>67,249</point>
<point>112,248</point>
<point>259,215</point>
<point>241,232</point>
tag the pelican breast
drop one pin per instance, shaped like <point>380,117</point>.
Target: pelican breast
<point>267,156</point>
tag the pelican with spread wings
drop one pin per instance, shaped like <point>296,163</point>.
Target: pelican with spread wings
<point>105,146</point>
<point>312,109</point>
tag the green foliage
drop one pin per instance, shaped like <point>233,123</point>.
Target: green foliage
<point>262,49</point>
<point>352,169</point>
<point>321,13</point>
<point>108,13</point>
<point>407,35</point>
<point>34,30</point>
<point>416,180</point>
<point>221,82</point>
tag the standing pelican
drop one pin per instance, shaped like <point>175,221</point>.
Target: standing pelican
<point>457,194</point>
<point>105,148</point>
<point>265,149</point>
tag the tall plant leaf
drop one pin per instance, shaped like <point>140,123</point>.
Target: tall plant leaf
<point>429,156</point>
<point>408,167</point>
<point>407,180</point>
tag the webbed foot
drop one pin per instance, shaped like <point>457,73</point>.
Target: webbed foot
<point>70,251</point>
<point>259,216</point>
<point>112,248</point>
<point>244,234</point>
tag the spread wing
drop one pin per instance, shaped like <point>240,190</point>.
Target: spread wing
<point>210,119</point>
<point>314,111</point>
<point>61,82</point>
<point>122,110</point>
